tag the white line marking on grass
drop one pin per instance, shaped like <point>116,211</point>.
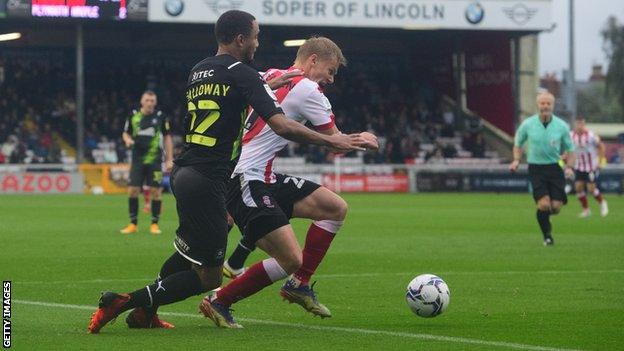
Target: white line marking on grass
<point>443,273</point>
<point>147,280</point>
<point>337,275</point>
<point>450,339</point>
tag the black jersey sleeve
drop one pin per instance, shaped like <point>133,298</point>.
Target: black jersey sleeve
<point>256,91</point>
<point>128,125</point>
<point>165,126</point>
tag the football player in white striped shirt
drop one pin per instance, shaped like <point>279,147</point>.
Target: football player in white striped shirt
<point>262,201</point>
<point>590,156</point>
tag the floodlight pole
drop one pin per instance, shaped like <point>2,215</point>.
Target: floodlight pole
<point>571,74</point>
<point>79,94</point>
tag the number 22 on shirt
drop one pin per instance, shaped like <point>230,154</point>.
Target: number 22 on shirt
<point>198,128</point>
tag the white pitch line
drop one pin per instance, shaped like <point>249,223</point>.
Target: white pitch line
<point>337,275</point>
<point>431,337</point>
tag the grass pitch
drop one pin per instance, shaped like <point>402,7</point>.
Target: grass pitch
<point>507,290</point>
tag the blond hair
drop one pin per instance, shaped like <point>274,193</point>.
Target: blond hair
<point>323,47</point>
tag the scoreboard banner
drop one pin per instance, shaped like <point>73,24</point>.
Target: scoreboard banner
<point>516,15</point>
<point>117,10</point>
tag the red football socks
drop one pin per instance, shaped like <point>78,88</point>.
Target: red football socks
<point>316,246</point>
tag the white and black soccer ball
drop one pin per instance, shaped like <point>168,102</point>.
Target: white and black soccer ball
<point>428,295</point>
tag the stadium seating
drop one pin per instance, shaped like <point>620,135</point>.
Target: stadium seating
<point>413,122</point>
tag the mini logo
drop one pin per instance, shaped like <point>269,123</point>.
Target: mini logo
<point>174,7</point>
<point>153,120</point>
<point>159,287</point>
<point>221,6</point>
<point>181,244</point>
<point>220,254</point>
<point>475,13</point>
<point>267,201</point>
<point>519,13</point>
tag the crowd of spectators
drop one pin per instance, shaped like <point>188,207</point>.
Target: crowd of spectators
<point>37,104</point>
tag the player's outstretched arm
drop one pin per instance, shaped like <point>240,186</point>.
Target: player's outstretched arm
<point>294,131</point>
<point>284,79</point>
<point>372,143</point>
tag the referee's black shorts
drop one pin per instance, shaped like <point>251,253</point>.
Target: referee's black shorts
<point>548,180</point>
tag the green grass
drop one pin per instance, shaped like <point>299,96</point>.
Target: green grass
<point>505,286</point>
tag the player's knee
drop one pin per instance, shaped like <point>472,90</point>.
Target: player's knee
<point>156,194</point>
<point>555,209</point>
<point>334,209</point>
<point>545,207</point>
<point>208,279</point>
<point>133,191</point>
<point>341,210</point>
<point>208,284</point>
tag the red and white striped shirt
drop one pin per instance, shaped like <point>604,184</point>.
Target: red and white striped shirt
<point>586,146</point>
<point>302,100</point>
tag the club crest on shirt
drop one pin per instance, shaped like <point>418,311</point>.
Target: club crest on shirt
<point>267,201</point>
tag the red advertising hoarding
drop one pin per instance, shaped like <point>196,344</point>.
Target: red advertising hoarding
<point>367,183</point>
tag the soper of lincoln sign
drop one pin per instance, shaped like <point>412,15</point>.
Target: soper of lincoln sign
<point>415,14</point>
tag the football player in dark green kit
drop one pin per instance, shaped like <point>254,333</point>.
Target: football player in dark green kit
<point>146,132</point>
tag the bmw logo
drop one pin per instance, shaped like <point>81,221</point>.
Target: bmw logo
<point>174,7</point>
<point>475,13</point>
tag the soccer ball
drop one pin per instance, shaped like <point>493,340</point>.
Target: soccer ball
<point>428,295</point>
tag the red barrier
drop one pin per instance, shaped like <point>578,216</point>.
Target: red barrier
<point>368,183</point>
<point>41,183</point>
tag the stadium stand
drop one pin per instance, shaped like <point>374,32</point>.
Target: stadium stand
<point>414,123</point>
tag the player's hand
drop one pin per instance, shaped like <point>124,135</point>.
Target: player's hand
<point>230,220</point>
<point>514,165</point>
<point>168,165</point>
<point>569,173</point>
<point>602,162</point>
<point>343,143</point>
<point>371,140</point>
<point>284,79</point>
<point>129,143</point>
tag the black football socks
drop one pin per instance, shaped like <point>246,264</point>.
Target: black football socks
<point>543,218</point>
<point>240,254</point>
<point>133,209</point>
<point>174,264</point>
<point>156,205</point>
<point>176,287</point>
